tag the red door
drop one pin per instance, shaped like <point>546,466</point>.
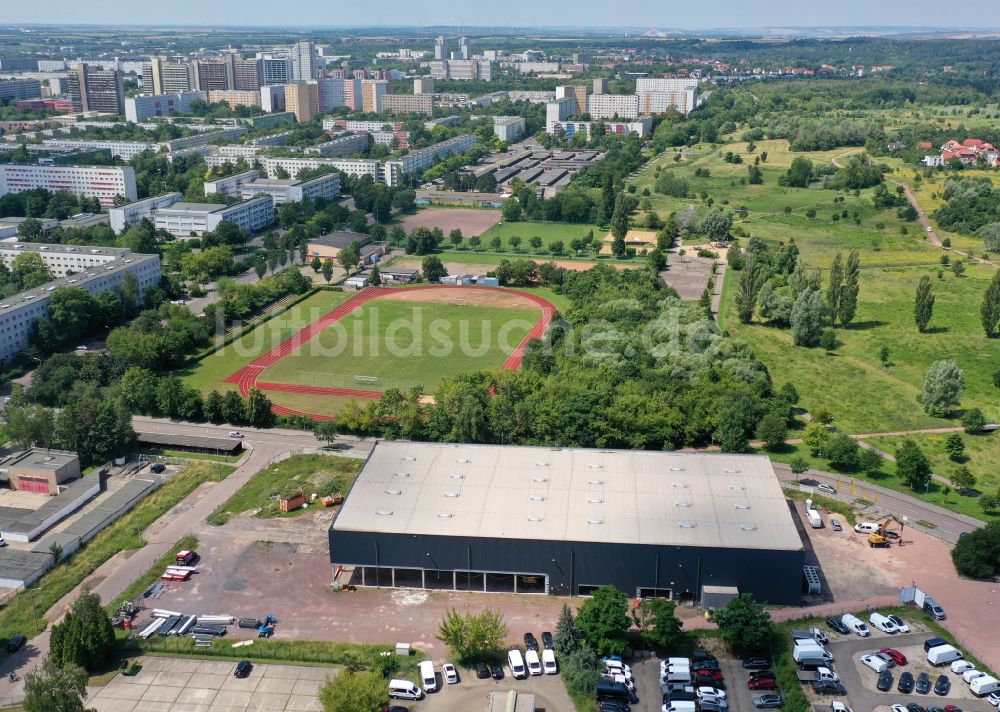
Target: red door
<point>33,484</point>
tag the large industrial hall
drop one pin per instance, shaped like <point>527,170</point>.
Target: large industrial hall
<point>538,520</point>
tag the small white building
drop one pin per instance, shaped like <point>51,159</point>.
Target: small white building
<point>357,282</point>
<point>195,219</point>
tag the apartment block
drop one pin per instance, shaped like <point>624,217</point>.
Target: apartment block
<point>426,157</point>
<point>235,97</point>
<point>124,216</point>
<point>341,146</point>
<point>275,70</point>
<point>94,269</point>
<point>125,150</point>
<point>302,100</point>
<point>462,69</point>
<point>408,104</point>
<point>146,106</point>
<point>559,110</point>
<point>367,126</point>
<point>230,185</point>
<point>508,128</point>
<point>293,191</point>
<point>423,85</point>
<point>339,92</point>
<point>303,61</point>
<point>195,219</point>
<point>393,139</point>
<point>102,182</point>
<point>373,91</point>
<point>15,89</point>
<point>658,94</point>
<point>600,86</point>
<point>641,126</point>
<point>93,89</point>
<point>161,77</point>
<point>613,106</point>
<point>272,98</point>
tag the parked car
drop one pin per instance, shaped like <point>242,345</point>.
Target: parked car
<point>897,708</point>
<point>828,489</point>
<point>547,640</point>
<point>836,525</point>
<point>756,663</point>
<point>838,706</point>
<point>933,643</point>
<point>15,643</point>
<point>923,685</point>
<point>897,657</point>
<point>952,708</point>
<point>838,625</point>
<point>235,434</point>
<point>914,707</point>
<point>994,698</point>
<point>482,670</point>
<point>157,467</point>
<point>762,673</point>
<point>900,623</point>
<point>712,665</point>
<point>942,686</point>
<point>885,657</point>
<point>875,663</point>
<point>884,683</point>
<point>243,668</point>
<point>828,687</point>
<point>905,684</point>
<point>613,706</point>
<point>395,708</point>
<point>449,673</point>
<point>697,655</point>
<point>496,671</point>
<point>767,702</point>
<point>529,642</point>
<point>762,683</point>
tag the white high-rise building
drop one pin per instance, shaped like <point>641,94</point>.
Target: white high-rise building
<point>303,60</point>
<point>659,94</point>
<point>463,48</point>
<point>439,48</point>
<point>613,106</point>
<point>101,182</point>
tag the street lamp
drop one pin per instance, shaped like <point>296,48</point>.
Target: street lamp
<point>34,609</point>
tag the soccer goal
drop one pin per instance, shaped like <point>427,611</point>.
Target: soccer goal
<point>456,300</point>
<point>367,380</point>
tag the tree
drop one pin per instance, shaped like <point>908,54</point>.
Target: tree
<point>349,257</point>
<point>316,264</point>
<point>375,279</point>
<point>85,636</point>
<point>816,438</point>
<point>607,205</point>
<point>233,410</point>
<point>923,306</point>
<point>973,421</point>
<point>433,269</point>
<point>807,318</point>
<point>834,287</point>
<point>604,621</point>
<point>745,624</point>
<point>55,688</point>
<point>977,554</point>
<point>258,409</point>
<point>30,230</point>
<point>658,623</point>
<point>56,550</point>
<point>473,636</point>
<point>954,445</point>
<point>752,278</point>
<point>535,242</point>
<point>455,237</point>
<point>619,225</point>
<point>716,225</point>
<point>212,408</point>
<point>328,270</point>
<point>657,260</point>
<point>828,340</point>
<point>848,307</point>
<point>912,466</point>
<point>962,478</point>
<point>568,637</point>
<point>943,388</point>
<point>350,691</point>
<point>474,242</point>
<point>515,242</point>
<point>799,175</point>
<point>842,452</point>
<point>72,311</point>
<point>772,430</point>
<point>870,460</point>
<point>326,430</point>
<point>799,465</point>
<point>511,211</point>
<point>989,311</point>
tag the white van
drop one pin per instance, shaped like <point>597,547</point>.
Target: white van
<point>943,654</point>
<point>866,527</point>
<point>427,676</point>
<point>970,675</point>
<point>549,662</point>
<point>960,667</point>
<point>404,690</point>
<point>855,624</point>
<point>984,685</point>
<point>882,623</point>
<point>534,665</point>
<point>516,664</point>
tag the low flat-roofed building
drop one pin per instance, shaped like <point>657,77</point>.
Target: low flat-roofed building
<point>195,219</point>
<point>293,191</point>
<point>124,216</point>
<point>328,247</point>
<point>192,443</point>
<point>40,470</point>
<point>566,521</point>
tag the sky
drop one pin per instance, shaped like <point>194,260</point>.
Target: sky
<point>660,14</point>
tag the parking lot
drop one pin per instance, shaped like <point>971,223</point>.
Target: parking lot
<point>178,685</point>
<point>472,693</point>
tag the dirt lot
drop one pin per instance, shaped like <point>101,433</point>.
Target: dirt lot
<point>178,685</point>
<point>688,275</point>
<point>247,566</point>
<point>471,221</point>
<point>472,694</point>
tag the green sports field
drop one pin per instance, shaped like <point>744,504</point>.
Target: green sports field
<point>388,343</point>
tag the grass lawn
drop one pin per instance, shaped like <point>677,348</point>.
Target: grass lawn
<point>863,396</point>
<point>982,452</point>
<point>322,474</point>
<point>160,452</point>
<point>18,617</point>
<point>548,231</point>
<point>211,371</point>
<point>404,344</point>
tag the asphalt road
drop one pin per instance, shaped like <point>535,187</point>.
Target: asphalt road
<point>947,525</point>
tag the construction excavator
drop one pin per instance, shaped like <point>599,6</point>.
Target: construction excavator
<point>886,532</point>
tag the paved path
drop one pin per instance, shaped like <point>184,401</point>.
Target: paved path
<point>115,575</point>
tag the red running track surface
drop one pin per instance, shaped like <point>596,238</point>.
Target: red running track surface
<point>246,377</point>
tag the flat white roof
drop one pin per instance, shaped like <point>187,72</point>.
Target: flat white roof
<point>622,496</point>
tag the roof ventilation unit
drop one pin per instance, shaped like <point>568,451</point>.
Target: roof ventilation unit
<point>595,520</point>
<point>687,524</point>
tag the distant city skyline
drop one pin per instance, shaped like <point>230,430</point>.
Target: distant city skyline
<point>775,14</point>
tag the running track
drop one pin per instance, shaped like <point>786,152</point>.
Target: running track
<point>247,377</point>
